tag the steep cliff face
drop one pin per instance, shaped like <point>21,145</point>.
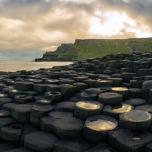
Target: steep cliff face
<point>65,52</point>
<point>89,48</point>
<point>65,47</point>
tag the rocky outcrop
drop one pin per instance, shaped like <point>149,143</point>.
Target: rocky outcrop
<point>95,105</point>
<point>88,48</point>
<point>50,56</point>
<point>65,47</point>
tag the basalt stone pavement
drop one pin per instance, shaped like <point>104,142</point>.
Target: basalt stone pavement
<point>96,105</point>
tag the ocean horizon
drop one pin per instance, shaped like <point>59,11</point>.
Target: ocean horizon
<point>20,55</point>
<point>16,61</point>
<point>17,65</point>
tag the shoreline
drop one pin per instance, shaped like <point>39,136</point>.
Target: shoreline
<point>52,60</point>
<point>15,65</point>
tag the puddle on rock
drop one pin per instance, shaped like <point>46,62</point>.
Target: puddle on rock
<point>122,108</point>
<point>119,89</point>
<point>88,105</point>
<point>137,116</point>
<point>102,125</point>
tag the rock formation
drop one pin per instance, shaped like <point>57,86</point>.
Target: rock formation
<point>95,105</point>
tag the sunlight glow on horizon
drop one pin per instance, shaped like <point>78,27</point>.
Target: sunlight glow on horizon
<point>141,32</point>
<point>45,24</point>
<point>111,23</point>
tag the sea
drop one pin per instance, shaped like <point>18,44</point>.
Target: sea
<point>17,65</point>
<point>16,61</point>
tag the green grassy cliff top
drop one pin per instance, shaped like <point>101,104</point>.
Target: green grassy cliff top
<point>89,48</point>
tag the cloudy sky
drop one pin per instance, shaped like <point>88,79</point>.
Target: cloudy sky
<point>35,25</point>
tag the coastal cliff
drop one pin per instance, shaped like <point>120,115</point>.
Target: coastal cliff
<point>65,52</point>
<point>90,48</point>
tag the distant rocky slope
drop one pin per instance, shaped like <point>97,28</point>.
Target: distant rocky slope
<point>90,48</point>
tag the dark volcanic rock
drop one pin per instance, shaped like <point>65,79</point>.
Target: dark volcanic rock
<point>101,148</point>
<point>136,120</point>
<point>23,98</point>
<point>135,101</point>
<point>90,94</point>
<point>68,90</point>
<point>4,101</point>
<point>126,141</point>
<point>71,146</point>
<point>60,115</point>
<point>40,141</point>
<point>21,112</point>
<point>6,121</point>
<point>4,113</point>
<point>97,127</point>
<point>145,107</point>
<point>65,106</point>
<point>116,110</point>
<point>7,146</point>
<point>40,88</point>
<point>24,86</point>
<point>67,127</point>
<point>84,109</point>
<point>110,98</point>
<point>55,97</point>
<point>38,111</point>
<point>147,85</point>
<point>12,133</point>
<point>148,148</point>
<point>93,105</point>
<point>19,150</point>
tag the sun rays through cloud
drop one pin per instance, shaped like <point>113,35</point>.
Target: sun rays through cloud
<point>39,24</point>
<point>112,23</point>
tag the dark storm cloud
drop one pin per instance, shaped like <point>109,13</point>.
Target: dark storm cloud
<point>34,8</point>
<point>138,9</point>
<point>31,7</point>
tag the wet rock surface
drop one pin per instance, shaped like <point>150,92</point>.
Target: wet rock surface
<point>94,105</point>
